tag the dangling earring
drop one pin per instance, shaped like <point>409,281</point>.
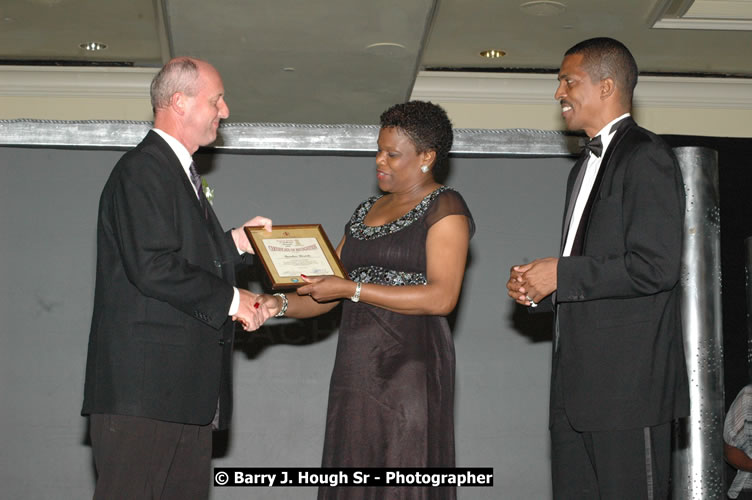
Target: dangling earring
<point>424,169</point>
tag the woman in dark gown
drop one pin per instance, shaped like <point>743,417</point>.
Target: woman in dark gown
<point>391,396</point>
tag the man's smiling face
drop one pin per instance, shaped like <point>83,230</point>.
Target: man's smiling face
<point>579,96</point>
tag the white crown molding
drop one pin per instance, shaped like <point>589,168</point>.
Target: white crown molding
<point>723,15</point>
<point>704,24</point>
<point>534,88</point>
<point>442,86</point>
<point>506,88</point>
<point>720,9</point>
<point>67,81</point>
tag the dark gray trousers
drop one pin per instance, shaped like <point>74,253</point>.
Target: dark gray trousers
<point>141,458</point>
<point>631,464</point>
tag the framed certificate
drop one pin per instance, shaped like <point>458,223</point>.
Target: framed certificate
<point>289,251</point>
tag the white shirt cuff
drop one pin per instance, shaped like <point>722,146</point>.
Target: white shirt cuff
<point>235,302</point>
<point>232,232</point>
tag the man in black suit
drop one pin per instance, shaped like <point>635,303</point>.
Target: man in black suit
<point>158,373</point>
<point>619,376</point>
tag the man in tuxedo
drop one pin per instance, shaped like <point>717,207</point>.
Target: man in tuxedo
<point>619,376</point>
<point>158,373</point>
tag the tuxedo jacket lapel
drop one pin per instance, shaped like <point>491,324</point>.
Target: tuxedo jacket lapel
<point>621,128</point>
<point>579,168</point>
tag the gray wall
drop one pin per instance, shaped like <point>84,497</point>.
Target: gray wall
<point>48,199</point>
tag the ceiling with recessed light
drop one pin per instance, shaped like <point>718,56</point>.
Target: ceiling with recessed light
<point>345,61</point>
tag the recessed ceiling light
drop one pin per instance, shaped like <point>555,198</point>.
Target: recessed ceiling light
<point>386,49</point>
<point>543,8</point>
<point>389,45</point>
<point>288,69</point>
<point>93,46</point>
<point>493,53</point>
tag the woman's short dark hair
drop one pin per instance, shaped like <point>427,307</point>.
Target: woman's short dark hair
<point>428,127</point>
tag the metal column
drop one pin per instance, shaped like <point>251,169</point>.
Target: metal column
<point>698,464</point>
<point>748,282</point>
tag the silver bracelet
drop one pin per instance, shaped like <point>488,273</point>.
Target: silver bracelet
<point>283,309</point>
<point>356,297</point>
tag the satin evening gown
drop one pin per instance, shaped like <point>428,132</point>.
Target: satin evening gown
<point>391,397</point>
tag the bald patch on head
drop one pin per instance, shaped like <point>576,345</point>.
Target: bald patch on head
<point>178,75</point>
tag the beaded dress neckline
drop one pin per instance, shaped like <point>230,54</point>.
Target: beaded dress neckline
<point>361,231</point>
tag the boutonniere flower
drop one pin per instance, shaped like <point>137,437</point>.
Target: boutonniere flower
<point>208,192</point>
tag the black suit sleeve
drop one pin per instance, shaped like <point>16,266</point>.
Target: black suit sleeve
<point>634,241</point>
<point>160,245</point>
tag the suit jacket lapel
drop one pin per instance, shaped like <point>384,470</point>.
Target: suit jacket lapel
<point>157,146</point>
<point>168,157</point>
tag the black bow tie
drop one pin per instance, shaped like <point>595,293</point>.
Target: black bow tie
<point>595,146</point>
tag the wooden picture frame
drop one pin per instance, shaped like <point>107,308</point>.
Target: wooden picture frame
<point>287,251</point>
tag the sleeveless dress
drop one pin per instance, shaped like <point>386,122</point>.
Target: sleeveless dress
<point>391,397</point>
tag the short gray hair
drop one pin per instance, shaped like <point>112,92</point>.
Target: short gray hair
<point>178,75</point>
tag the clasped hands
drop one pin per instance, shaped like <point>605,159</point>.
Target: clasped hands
<point>530,283</point>
<point>265,306</point>
<point>251,312</point>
